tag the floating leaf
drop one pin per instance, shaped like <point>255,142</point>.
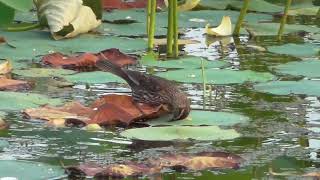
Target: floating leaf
<point>224,29</point>
<point>13,85</point>
<point>43,72</point>
<point>216,76</point>
<point>197,118</point>
<point>306,87</point>
<point>254,5</point>
<point>190,62</point>
<point>18,101</point>
<point>5,67</point>
<point>307,68</point>
<point>26,170</point>
<point>120,109</point>
<point>271,29</point>
<point>93,77</point>
<point>119,4</point>
<point>129,30</point>
<point>297,50</point>
<point>170,133</point>
<point>87,61</point>
<point>70,17</point>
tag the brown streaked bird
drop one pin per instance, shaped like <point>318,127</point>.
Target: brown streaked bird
<point>152,90</point>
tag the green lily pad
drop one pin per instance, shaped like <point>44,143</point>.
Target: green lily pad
<point>18,101</point>
<point>28,170</point>
<point>271,29</point>
<point>133,29</point>
<point>297,50</point>
<point>311,11</point>
<point>32,44</point>
<point>43,72</point>
<point>187,19</point>
<point>316,36</point>
<point>216,76</point>
<point>254,5</point>
<point>93,77</point>
<point>307,68</point>
<point>170,133</point>
<point>18,5</point>
<point>305,87</point>
<point>197,118</point>
<point>190,62</point>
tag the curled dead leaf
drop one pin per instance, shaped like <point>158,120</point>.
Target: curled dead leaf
<point>87,61</point>
<point>123,170</point>
<point>224,29</point>
<point>13,85</point>
<point>5,67</point>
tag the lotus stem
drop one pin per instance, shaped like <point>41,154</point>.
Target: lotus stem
<point>284,19</point>
<point>22,28</point>
<point>152,23</point>
<point>175,29</point>
<point>204,83</point>
<point>241,17</point>
<point>170,28</point>
<point>148,15</point>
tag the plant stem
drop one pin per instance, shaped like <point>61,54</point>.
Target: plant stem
<point>22,28</point>
<point>175,29</point>
<point>318,14</point>
<point>148,15</point>
<point>170,28</point>
<point>284,20</point>
<point>204,83</point>
<point>241,17</point>
<point>152,25</point>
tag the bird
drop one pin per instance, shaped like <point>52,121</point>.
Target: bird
<point>184,5</point>
<point>151,90</point>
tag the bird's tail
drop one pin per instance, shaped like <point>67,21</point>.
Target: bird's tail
<point>108,66</point>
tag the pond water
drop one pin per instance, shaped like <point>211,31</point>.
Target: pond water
<point>282,133</point>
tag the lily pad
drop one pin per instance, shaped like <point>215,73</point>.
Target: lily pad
<point>187,19</point>
<point>197,118</point>
<point>32,44</point>
<point>307,68</point>
<point>93,77</point>
<point>18,101</point>
<point>297,50</point>
<point>216,76</point>
<point>170,133</point>
<point>271,29</point>
<point>254,5</point>
<point>43,72</point>
<point>190,62</point>
<point>28,170</point>
<point>305,87</point>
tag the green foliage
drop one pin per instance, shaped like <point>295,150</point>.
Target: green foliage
<point>8,7</point>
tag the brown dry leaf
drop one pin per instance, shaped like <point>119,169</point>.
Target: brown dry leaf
<point>87,61</point>
<point>2,40</point>
<point>5,67</point>
<point>312,174</point>
<point>88,169</point>
<point>124,170</point>
<point>121,109</point>
<point>13,85</point>
<point>56,116</point>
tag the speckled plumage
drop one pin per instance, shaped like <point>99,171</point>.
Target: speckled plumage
<point>152,90</point>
